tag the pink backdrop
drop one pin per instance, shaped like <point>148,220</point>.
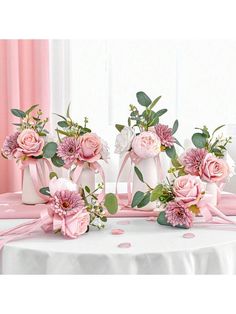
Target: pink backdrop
<point>24,80</point>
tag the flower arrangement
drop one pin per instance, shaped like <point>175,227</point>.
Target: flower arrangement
<point>70,212</point>
<point>207,159</point>
<point>29,139</point>
<point>144,136</point>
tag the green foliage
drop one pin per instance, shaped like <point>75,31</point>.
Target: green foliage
<point>45,191</point>
<point>31,109</point>
<point>138,197</point>
<point>50,149</point>
<point>87,189</point>
<point>139,174</point>
<point>18,113</point>
<point>171,152</point>
<point>143,99</point>
<point>199,140</point>
<point>52,175</point>
<point>175,126</point>
<point>145,200</point>
<point>111,203</point>
<point>156,193</point>
<point>119,127</point>
<point>57,161</point>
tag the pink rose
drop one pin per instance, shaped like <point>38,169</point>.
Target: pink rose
<point>30,143</point>
<point>188,189</point>
<point>213,169</point>
<point>90,147</point>
<point>74,226</point>
<point>146,145</point>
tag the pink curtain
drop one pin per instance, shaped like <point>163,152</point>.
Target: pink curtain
<point>24,80</point>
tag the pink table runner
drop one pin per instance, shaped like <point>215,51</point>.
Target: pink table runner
<point>12,208</point>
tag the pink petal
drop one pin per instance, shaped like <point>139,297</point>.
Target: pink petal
<point>188,235</point>
<point>117,231</point>
<point>123,222</point>
<point>124,245</point>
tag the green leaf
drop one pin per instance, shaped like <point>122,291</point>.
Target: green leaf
<point>199,140</point>
<point>57,161</point>
<point>217,129</point>
<point>181,173</point>
<point>111,203</point>
<point>161,112</point>
<point>175,162</point>
<point>171,152</point>
<point>143,99</point>
<point>138,197</point>
<point>178,143</point>
<point>119,127</point>
<point>155,101</point>
<point>68,111</point>
<point>139,174</point>
<point>60,116</point>
<point>45,191</point>
<point>104,219</point>
<point>52,175</point>
<point>145,200</point>
<point>18,113</point>
<point>31,109</point>
<point>156,193</point>
<point>63,124</point>
<point>50,150</point>
<point>175,126</point>
<point>87,189</point>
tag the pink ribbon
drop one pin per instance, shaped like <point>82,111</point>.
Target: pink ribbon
<point>97,168</point>
<point>37,173</point>
<point>135,160</point>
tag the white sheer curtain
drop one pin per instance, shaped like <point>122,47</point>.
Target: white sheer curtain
<point>101,77</point>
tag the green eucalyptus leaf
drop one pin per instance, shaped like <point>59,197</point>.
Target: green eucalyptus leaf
<point>171,152</point>
<point>31,109</point>
<point>161,112</point>
<point>145,200</point>
<point>68,111</point>
<point>139,174</point>
<point>50,149</point>
<point>111,203</point>
<point>45,191</point>
<point>199,140</point>
<point>52,175</point>
<point>156,193</point>
<point>175,162</point>
<point>138,197</point>
<point>18,113</point>
<point>217,129</point>
<point>143,99</point>
<point>178,143</point>
<point>175,126</point>
<point>63,124</point>
<point>87,189</point>
<point>57,161</point>
<point>60,116</point>
<point>155,101</point>
<point>119,127</point>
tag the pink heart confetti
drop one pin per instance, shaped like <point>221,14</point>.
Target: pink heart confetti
<point>151,219</point>
<point>124,245</point>
<point>117,231</point>
<point>188,235</point>
<point>123,222</point>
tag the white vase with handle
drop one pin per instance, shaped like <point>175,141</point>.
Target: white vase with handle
<point>212,189</point>
<point>148,168</point>
<point>87,178</point>
<point>29,194</point>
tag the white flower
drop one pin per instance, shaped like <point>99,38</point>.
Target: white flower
<point>105,151</point>
<point>61,184</point>
<point>124,140</point>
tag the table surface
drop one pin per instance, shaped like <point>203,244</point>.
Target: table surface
<point>154,249</point>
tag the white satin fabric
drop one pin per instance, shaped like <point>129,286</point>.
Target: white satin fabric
<point>154,249</point>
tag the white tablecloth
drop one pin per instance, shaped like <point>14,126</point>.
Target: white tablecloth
<point>154,249</point>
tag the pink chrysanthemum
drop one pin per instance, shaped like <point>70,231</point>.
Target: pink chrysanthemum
<point>192,160</point>
<point>66,203</point>
<point>178,214</point>
<point>165,135</point>
<point>68,150</point>
<point>10,145</point>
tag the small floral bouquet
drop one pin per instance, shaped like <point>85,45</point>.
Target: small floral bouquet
<point>79,150</point>
<point>69,212</point>
<point>28,146</point>
<point>208,160</point>
<point>143,140</point>
<point>180,201</point>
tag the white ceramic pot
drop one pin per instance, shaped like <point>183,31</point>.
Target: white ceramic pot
<point>148,169</point>
<point>29,194</point>
<point>87,178</point>
<point>212,188</point>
